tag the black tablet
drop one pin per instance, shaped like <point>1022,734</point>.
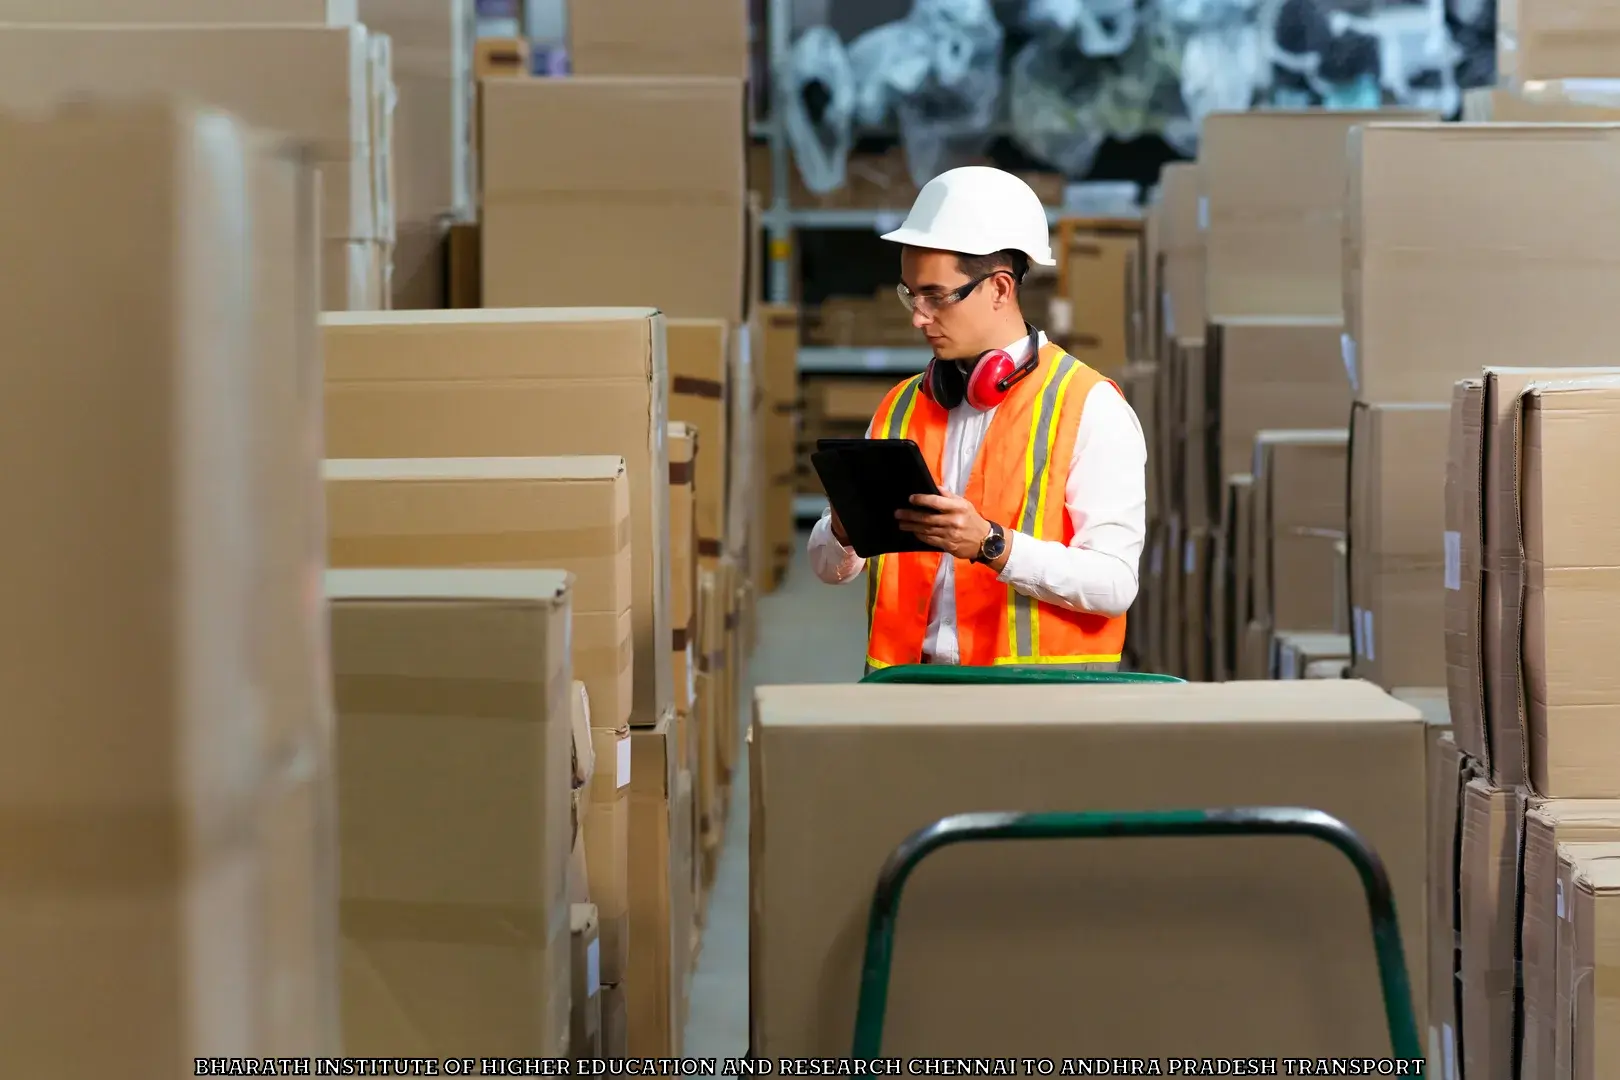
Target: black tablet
<point>866,481</point>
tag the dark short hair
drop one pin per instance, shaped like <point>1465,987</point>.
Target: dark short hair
<point>1011,260</point>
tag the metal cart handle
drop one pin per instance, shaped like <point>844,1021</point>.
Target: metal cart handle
<point>1239,821</point>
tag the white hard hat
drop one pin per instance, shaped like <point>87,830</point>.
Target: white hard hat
<point>977,210</point>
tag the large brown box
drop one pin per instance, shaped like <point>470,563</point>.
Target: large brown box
<point>653,981</point>
<point>699,379</point>
<point>1271,199</point>
<point>1449,772</point>
<point>454,799</point>
<point>1569,534</point>
<point>171,439</point>
<point>239,68</point>
<point>1234,941</point>
<point>1465,572</point>
<point>1488,868</point>
<point>1516,266</point>
<point>1397,542</point>
<point>1299,508</point>
<point>521,383</point>
<point>1543,39</point>
<point>633,37</point>
<point>562,513</point>
<point>574,215</point>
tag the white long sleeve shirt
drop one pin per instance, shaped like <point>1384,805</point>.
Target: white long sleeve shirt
<point>1106,499</point>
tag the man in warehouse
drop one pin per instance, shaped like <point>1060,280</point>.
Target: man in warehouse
<point>1040,460</point>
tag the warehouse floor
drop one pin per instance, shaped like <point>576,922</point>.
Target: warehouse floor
<point>808,633</point>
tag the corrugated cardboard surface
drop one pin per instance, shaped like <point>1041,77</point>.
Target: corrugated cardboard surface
<point>1397,542</point>
<point>1300,482</point>
<point>1492,823</point>
<point>563,513</point>
<point>630,37</point>
<point>1194,421</point>
<point>1465,570</point>
<point>653,981</point>
<point>1300,652</point>
<point>575,215</point>
<point>585,1013</point>
<point>1595,884</point>
<point>1237,534</point>
<point>1504,552</point>
<point>1449,772</point>
<point>1517,266</point>
<point>1548,825</point>
<point>454,736</point>
<point>1272,189</point>
<point>524,383</point>
<point>683,446</point>
<point>1570,533</point>
<point>242,69</point>
<point>265,12</point>
<point>606,826</point>
<point>1553,101</point>
<point>142,626</point>
<point>1269,373</point>
<point>1539,39</point>
<point>698,381</point>
<point>1231,942</point>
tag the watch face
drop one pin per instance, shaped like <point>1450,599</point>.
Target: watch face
<point>994,544</point>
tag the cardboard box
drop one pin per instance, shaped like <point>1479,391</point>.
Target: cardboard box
<point>1234,579</point>
<point>631,37</point>
<point>1195,624</point>
<point>607,847</point>
<point>1267,373</point>
<point>1492,823</point>
<point>1299,508</point>
<point>1548,825</point>
<point>699,377</point>
<point>1180,298</point>
<point>565,170</point>
<point>1586,875</point>
<point>1570,541</point>
<point>1271,194</point>
<point>466,289</point>
<point>1257,920</point>
<point>652,982</point>
<point>457,800</point>
<point>1302,654</point>
<point>683,444</point>
<point>1449,771</point>
<point>1397,542</point>
<point>1465,570</point>
<point>743,401</point>
<point>615,1022</point>
<point>1505,560</point>
<point>585,1009</point>
<point>563,513</point>
<point>1552,101</point>
<point>1516,267</point>
<point>496,57</point>
<point>1536,39</point>
<point>1100,257</point>
<point>241,69</point>
<point>520,383</point>
<point>134,566</point>
<point>1140,382</point>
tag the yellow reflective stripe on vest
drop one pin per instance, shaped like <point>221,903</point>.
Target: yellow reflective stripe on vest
<point>893,424</point>
<point>1023,629</point>
<point>1096,659</point>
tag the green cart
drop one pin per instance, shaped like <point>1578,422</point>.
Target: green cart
<point>1232,821</point>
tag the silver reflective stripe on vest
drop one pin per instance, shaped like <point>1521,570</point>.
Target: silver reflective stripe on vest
<point>1030,523</point>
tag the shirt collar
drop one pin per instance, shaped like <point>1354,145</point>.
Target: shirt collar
<point>1019,350</point>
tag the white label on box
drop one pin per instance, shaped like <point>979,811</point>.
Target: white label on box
<point>1561,914</point>
<point>1203,213</point>
<point>1450,1051</point>
<point>593,968</point>
<point>691,672</point>
<point>1355,631</point>
<point>1347,349</point>
<point>1189,556</point>
<point>1453,560</point>
<point>624,762</point>
<point>1367,634</point>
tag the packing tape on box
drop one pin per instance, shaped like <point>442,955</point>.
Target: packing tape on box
<point>96,850</point>
<point>434,695</point>
<point>683,635</point>
<point>465,549</point>
<point>688,386</point>
<point>710,549</point>
<point>680,473</point>
<point>518,926</point>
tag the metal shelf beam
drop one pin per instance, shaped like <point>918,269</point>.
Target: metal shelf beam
<point>822,359</point>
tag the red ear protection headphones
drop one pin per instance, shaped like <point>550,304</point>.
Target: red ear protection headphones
<point>984,386</point>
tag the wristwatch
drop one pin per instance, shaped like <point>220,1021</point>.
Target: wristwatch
<point>994,544</point>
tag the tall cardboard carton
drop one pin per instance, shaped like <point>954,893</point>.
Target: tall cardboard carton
<point>607,847</point>
<point>683,445</point>
<point>1299,511</point>
<point>1273,244</point>
<point>1489,874</point>
<point>653,981</point>
<point>1244,929</point>
<point>1397,542</point>
<point>780,378</point>
<point>1465,570</point>
<point>1449,773</point>
<point>1589,1020</point>
<point>1548,825</point>
<point>562,513</point>
<point>1569,533</point>
<point>521,383</point>
<point>167,477</point>
<point>585,1009</point>
<point>453,692</point>
<point>1517,267</point>
<point>699,380</point>
<point>573,215</point>
<point>1505,582</point>
<point>1180,299</point>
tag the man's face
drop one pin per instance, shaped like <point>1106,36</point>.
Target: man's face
<point>954,329</point>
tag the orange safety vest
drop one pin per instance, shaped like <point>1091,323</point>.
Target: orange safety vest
<point>1018,481</point>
